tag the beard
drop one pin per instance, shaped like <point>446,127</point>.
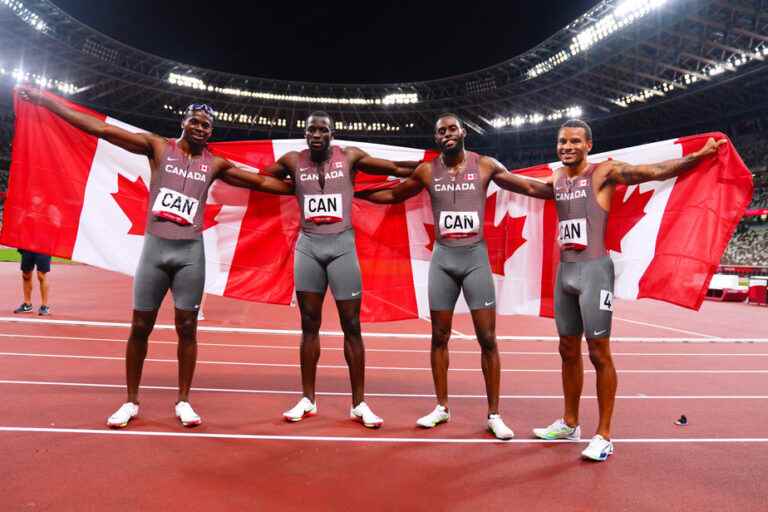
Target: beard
<point>455,150</point>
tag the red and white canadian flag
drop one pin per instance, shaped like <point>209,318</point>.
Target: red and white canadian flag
<point>75,196</point>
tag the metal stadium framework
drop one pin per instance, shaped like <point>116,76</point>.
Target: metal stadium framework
<point>666,63</point>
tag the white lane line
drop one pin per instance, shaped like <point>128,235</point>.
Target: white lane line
<point>361,439</point>
<point>382,350</point>
<point>378,395</point>
<point>657,326</point>
<point>384,368</point>
<point>703,338</point>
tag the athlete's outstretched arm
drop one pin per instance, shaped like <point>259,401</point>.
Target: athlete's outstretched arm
<point>521,184</point>
<point>233,175</point>
<point>624,173</point>
<point>283,167</point>
<point>140,143</point>
<point>371,165</point>
<point>411,186</point>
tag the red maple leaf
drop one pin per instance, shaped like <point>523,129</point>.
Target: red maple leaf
<point>502,240</point>
<point>133,198</point>
<point>624,215</point>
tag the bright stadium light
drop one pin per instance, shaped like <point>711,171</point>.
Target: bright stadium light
<point>196,83</point>
<point>624,15</point>
<point>535,118</point>
<point>25,14</point>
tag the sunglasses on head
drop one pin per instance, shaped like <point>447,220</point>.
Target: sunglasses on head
<point>195,107</point>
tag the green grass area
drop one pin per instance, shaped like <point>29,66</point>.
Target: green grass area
<point>13,255</point>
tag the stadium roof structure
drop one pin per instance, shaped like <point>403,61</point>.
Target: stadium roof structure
<point>655,60</point>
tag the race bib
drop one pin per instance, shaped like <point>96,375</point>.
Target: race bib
<point>323,208</point>
<point>175,207</point>
<point>572,234</point>
<point>459,224</point>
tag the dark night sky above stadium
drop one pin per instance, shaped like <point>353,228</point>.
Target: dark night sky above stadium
<point>336,41</point>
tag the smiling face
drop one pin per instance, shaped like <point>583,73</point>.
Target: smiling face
<point>449,135</point>
<point>573,146</point>
<point>319,133</point>
<point>197,128</point>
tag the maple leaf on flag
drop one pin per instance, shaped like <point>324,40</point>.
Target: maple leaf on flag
<point>502,240</point>
<point>133,198</point>
<point>624,215</point>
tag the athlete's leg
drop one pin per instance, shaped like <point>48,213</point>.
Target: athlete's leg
<point>187,286</point>
<point>345,281</point>
<point>573,377</point>
<point>311,309</point>
<point>150,284</point>
<point>570,328</point>
<point>480,295</point>
<point>600,355</point>
<point>354,350</point>
<point>439,358</point>
<point>596,304</point>
<point>136,350</point>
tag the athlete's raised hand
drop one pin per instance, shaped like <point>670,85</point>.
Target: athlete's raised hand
<point>710,147</point>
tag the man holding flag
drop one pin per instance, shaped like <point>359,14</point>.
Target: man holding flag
<point>325,254</point>
<point>585,278</point>
<point>182,171</point>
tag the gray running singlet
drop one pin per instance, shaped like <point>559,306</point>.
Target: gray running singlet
<point>325,252</point>
<point>177,194</point>
<point>581,226</point>
<point>585,276</point>
<point>460,257</point>
<point>458,202</point>
<point>325,209</point>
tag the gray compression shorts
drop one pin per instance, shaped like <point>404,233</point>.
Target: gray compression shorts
<point>175,264</point>
<point>322,260</point>
<point>454,269</point>
<point>584,298</point>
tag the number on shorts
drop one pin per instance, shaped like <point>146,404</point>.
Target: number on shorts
<point>606,300</point>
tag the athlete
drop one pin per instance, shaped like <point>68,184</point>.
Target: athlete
<point>172,257</point>
<point>325,253</point>
<point>585,276</point>
<point>457,182</point>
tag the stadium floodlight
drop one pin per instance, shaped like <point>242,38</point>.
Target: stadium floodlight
<point>535,118</point>
<point>196,83</point>
<point>25,14</point>
<point>622,16</point>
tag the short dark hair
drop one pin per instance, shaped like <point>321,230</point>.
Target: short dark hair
<point>578,123</point>
<point>450,114</point>
<point>321,113</point>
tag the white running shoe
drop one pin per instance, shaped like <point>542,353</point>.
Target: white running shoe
<point>187,415</point>
<point>123,415</point>
<point>558,430</point>
<point>301,410</point>
<point>599,448</point>
<point>498,428</point>
<point>364,415</point>
<point>436,417</point>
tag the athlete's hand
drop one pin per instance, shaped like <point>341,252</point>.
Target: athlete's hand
<point>30,93</point>
<point>710,148</point>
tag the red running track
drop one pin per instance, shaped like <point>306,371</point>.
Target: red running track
<point>59,382</point>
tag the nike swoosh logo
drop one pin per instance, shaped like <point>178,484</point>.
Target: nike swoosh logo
<point>355,294</point>
<point>173,159</point>
<point>437,179</point>
<point>598,333</point>
<point>489,303</point>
